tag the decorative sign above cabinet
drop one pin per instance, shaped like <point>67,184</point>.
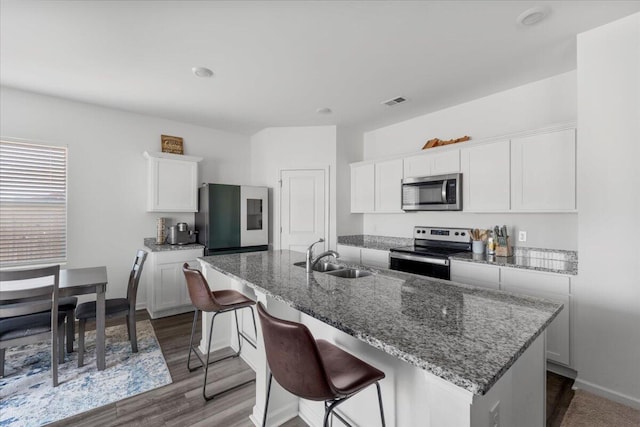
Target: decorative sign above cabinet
<point>172,144</point>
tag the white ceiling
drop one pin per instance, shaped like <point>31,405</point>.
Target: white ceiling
<point>275,63</point>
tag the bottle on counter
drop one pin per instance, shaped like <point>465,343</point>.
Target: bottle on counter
<point>491,246</point>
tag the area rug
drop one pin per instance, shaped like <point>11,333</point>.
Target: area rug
<point>27,397</point>
<point>589,410</point>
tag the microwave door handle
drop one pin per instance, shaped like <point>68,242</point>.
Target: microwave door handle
<point>444,191</point>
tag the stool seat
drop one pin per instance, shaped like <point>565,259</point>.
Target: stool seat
<point>67,303</point>
<point>347,373</point>
<point>230,299</point>
<point>87,310</point>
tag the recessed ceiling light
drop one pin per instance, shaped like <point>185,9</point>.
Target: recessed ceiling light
<point>324,110</point>
<point>202,72</point>
<point>532,16</point>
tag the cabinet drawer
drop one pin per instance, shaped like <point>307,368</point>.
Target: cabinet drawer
<point>536,281</point>
<point>475,274</point>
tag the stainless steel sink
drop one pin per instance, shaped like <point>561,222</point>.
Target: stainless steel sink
<point>350,273</point>
<point>322,267</point>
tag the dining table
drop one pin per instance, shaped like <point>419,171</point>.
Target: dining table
<point>83,281</point>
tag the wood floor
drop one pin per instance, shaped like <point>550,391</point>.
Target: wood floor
<point>181,403</point>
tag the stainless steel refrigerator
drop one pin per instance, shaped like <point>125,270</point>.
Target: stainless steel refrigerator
<point>232,218</point>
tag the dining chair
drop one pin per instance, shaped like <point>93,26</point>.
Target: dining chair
<point>313,369</point>
<point>29,312</point>
<point>114,308</point>
<point>216,302</point>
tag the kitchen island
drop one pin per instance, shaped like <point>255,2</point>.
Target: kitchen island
<point>453,354</point>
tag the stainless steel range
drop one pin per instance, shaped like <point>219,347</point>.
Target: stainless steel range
<point>429,255</point>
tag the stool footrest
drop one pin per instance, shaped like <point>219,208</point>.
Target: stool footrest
<point>249,340</point>
<point>213,396</point>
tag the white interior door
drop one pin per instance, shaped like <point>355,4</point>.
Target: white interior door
<point>302,209</point>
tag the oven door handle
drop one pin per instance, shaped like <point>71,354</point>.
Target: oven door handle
<point>417,258</point>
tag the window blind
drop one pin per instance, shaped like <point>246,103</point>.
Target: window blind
<point>33,203</point>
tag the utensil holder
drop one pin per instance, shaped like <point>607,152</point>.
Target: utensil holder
<point>477,247</point>
<point>504,250</point>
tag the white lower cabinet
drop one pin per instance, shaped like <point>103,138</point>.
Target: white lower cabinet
<point>374,257</point>
<point>554,287</point>
<point>485,276</point>
<point>166,286</point>
<point>349,254</point>
<point>364,256</point>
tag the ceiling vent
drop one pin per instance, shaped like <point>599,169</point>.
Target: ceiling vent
<point>394,101</point>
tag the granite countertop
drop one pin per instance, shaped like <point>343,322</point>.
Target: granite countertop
<point>551,261</point>
<point>150,242</point>
<point>368,241</point>
<point>466,335</point>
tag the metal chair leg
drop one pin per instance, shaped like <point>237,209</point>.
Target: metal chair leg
<point>380,403</point>
<point>193,331</point>
<point>235,314</point>
<point>266,404</point>
<point>255,328</point>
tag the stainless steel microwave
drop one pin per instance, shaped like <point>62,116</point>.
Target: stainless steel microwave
<point>432,193</point>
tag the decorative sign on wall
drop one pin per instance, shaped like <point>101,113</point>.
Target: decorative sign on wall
<point>172,144</point>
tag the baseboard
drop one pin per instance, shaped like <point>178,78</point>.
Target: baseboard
<point>607,393</point>
<point>565,371</point>
<point>276,417</point>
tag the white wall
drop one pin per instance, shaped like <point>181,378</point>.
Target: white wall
<point>349,150</point>
<point>107,181</point>
<point>274,149</point>
<point>535,105</point>
<point>607,296</point>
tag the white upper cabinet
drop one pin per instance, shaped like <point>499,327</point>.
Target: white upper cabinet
<point>543,172</point>
<point>388,186</point>
<point>362,187</point>
<point>430,164</point>
<point>485,177</point>
<point>172,182</point>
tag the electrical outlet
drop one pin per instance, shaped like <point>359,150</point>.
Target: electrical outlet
<point>494,415</point>
<point>522,236</point>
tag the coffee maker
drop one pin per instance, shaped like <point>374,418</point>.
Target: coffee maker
<point>180,234</point>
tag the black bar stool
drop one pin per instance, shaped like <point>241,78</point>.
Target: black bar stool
<point>216,302</point>
<point>313,369</point>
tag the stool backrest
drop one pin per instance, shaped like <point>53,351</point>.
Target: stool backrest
<point>134,278</point>
<point>201,296</point>
<point>293,357</point>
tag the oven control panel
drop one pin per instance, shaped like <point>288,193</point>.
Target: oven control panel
<point>462,235</point>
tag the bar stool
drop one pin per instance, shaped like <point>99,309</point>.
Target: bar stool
<point>216,302</point>
<point>313,369</point>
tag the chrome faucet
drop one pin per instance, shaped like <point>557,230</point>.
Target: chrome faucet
<point>311,261</point>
